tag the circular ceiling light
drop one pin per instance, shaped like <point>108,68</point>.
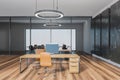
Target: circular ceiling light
<point>49,14</point>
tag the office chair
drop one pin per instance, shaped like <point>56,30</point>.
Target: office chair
<point>38,51</point>
<point>45,61</point>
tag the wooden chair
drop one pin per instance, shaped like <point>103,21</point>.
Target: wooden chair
<point>36,63</point>
<point>38,51</point>
<point>45,61</point>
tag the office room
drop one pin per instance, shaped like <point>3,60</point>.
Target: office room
<point>59,40</point>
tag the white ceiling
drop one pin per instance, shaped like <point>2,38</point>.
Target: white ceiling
<point>68,7</point>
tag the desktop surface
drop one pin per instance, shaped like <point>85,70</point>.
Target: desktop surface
<point>53,56</point>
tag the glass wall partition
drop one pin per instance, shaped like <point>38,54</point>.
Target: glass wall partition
<point>115,33</point>
<point>107,33</point>
<point>97,35</point>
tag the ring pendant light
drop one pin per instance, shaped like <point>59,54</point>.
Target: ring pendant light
<point>49,13</point>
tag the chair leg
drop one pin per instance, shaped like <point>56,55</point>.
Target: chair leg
<point>36,65</point>
<point>49,71</point>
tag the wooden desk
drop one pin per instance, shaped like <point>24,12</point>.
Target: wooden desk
<point>74,60</point>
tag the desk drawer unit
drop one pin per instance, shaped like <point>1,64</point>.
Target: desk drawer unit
<point>74,59</point>
<point>74,65</point>
<point>74,69</point>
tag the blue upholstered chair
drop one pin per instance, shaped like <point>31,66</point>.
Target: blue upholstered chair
<point>52,48</point>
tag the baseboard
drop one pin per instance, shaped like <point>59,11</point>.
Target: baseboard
<point>106,60</point>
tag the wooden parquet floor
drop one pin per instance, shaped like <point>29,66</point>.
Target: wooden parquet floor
<point>90,69</point>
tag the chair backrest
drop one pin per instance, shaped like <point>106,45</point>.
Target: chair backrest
<point>52,48</point>
<point>45,59</point>
<point>39,51</point>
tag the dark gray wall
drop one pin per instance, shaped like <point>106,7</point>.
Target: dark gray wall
<point>18,36</point>
<point>4,36</point>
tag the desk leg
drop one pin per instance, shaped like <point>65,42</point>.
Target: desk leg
<point>20,64</point>
<point>27,63</point>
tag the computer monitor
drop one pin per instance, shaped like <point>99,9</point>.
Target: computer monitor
<point>52,48</point>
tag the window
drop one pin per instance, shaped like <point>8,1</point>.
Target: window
<point>73,42</point>
<point>61,36</point>
<point>45,36</point>
<point>40,36</point>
